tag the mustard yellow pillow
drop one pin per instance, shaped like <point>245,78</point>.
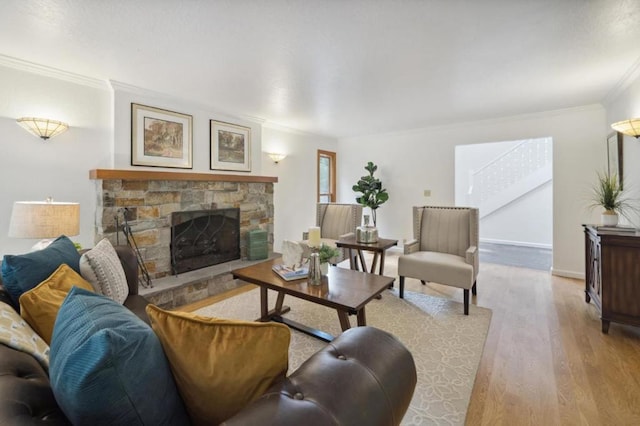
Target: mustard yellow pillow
<point>220,365</point>
<point>39,306</point>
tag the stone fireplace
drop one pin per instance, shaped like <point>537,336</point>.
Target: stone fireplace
<point>147,200</point>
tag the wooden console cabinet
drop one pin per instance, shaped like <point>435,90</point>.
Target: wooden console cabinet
<point>612,275</point>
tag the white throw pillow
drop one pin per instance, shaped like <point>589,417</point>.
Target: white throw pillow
<point>102,268</point>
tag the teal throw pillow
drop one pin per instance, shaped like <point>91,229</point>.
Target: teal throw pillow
<point>21,273</point>
<point>107,366</point>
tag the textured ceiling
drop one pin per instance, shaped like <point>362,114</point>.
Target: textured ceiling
<point>341,68</point>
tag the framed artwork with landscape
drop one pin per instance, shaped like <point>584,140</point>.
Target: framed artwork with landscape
<point>614,155</point>
<point>161,138</point>
<point>230,147</point>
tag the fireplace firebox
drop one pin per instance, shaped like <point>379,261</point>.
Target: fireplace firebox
<point>203,238</point>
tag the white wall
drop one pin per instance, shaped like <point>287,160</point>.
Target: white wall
<point>412,161</point>
<point>295,193</point>
<point>124,95</point>
<point>99,116</point>
<point>526,221</point>
<point>32,169</point>
<point>409,162</point>
<point>625,106</point>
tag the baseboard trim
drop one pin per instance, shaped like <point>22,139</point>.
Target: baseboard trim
<point>516,243</point>
<point>567,274</point>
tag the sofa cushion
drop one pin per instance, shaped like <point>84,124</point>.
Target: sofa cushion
<point>437,267</point>
<point>17,334</point>
<point>220,365</point>
<point>39,306</point>
<point>101,266</point>
<point>108,367</point>
<point>23,272</point>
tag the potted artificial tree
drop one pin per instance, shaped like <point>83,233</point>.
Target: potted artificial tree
<point>373,196</point>
<point>608,194</point>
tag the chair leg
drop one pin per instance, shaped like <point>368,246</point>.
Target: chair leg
<point>401,287</point>
<point>473,289</point>
<point>466,302</point>
<point>423,282</point>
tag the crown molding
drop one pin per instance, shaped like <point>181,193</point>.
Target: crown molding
<point>283,128</point>
<point>623,84</point>
<point>47,71</point>
<point>141,91</point>
<point>31,67</point>
<point>486,122</point>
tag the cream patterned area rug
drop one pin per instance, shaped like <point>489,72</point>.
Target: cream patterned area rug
<point>446,345</point>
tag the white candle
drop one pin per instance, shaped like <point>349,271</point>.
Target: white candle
<point>314,236</point>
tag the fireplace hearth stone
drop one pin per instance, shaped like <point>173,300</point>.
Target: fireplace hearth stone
<point>174,291</point>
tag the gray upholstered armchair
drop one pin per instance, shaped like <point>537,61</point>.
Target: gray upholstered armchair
<point>335,221</point>
<point>444,249</point>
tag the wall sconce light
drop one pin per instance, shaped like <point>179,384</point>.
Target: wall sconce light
<point>43,127</point>
<point>44,219</point>
<point>276,157</point>
<point>629,127</point>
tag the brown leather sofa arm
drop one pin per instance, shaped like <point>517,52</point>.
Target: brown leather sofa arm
<point>130,265</point>
<point>26,397</point>
<point>364,377</point>
<point>135,303</point>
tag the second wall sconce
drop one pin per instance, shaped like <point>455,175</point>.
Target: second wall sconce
<point>629,127</point>
<point>43,127</point>
<point>276,157</point>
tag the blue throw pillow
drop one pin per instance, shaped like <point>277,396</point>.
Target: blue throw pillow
<point>107,366</point>
<point>23,272</point>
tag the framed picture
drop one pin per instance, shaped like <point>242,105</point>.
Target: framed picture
<point>161,138</point>
<point>614,155</point>
<point>230,147</point>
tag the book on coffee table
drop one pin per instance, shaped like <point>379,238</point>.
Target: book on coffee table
<point>290,274</point>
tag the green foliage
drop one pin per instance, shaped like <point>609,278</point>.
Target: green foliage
<point>326,253</point>
<point>608,194</point>
<point>373,194</point>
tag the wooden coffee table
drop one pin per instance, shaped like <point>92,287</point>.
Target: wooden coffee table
<point>344,290</point>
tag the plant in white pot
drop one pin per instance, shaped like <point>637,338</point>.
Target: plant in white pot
<point>608,194</point>
<point>327,255</point>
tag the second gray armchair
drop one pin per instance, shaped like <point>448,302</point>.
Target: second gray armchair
<point>335,221</point>
<point>444,249</point>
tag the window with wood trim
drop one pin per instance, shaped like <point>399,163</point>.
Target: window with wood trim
<point>326,176</point>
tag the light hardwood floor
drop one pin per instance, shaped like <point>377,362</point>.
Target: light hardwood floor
<point>545,361</point>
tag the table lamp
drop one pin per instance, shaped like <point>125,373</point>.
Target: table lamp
<point>44,219</point>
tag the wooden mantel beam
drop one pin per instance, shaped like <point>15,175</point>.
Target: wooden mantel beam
<point>113,174</point>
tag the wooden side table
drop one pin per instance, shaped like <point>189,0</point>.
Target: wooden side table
<point>378,248</point>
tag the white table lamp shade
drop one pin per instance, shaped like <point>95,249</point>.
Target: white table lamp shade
<point>43,219</point>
